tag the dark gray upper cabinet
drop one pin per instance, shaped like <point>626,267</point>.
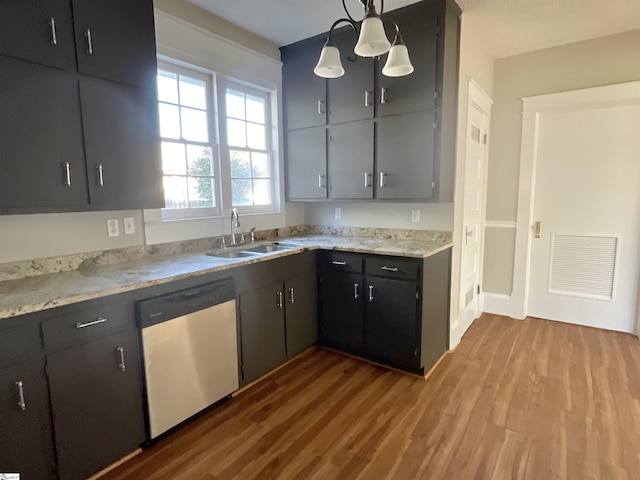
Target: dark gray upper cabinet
<point>351,160</point>
<point>405,145</point>
<point>306,163</point>
<point>418,90</point>
<point>96,399</point>
<point>122,152</point>
<point>116,40</point>
<point>351,97</point>
<point>41,149</point>
<point>306,104</point>
<point>38,31</point>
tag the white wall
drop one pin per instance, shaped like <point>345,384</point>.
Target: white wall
<point>601,61</point>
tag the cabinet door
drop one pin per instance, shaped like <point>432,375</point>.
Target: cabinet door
<point>351,160</point>
<point>37,31</point>
<point>116,40</point>
<point>405,156</point>
<point>341,325</point>
<point>415,91</point>
<point>351,96</point>
<point>305,96</point>
<point>262,331</point>
<point>41,133</point>
<point>390,326</point>
<point>301,313</point>
<point>307,163</point>
<point>96,397</point>
<point>122,145</point>
<point>25,441</point>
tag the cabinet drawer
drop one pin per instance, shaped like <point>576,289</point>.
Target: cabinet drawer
<point>89,323</point>
<point>341,261</point>
<point>18,342</point>
<point>394,267</point>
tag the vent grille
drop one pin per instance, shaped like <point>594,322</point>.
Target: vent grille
<point>583,265</point>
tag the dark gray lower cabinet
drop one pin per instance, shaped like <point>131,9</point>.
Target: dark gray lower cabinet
<point>263,337</point>
<point>96,400</point>
<point>25,435</point>
<point>301,313</point>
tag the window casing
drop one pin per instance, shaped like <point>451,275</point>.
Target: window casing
<point>198,134</point>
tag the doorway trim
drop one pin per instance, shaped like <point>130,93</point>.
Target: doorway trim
<point>588,98</point>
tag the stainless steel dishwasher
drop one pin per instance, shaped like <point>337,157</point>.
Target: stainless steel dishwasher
<point>190,351</point>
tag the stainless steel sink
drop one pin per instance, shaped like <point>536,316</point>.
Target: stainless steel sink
<point>272,247</point>
<point>236,254</point>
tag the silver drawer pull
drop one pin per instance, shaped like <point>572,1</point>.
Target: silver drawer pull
<point>89,41</point>
<point>355,291</point>
<point>370,293</point>
<point>100,170</point>
<point>54,35</point>
<point>336,262</point>
<point>279,302</point>
<point>122,365</point>
<point>21,403</point>
<point>89,324</point>
<point>291,297</point>
<point>389,269</point>
<point>66,167</point>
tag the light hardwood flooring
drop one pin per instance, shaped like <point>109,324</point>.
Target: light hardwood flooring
<point>528,399</point>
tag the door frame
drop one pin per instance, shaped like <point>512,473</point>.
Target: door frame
<point>610,95</point>
<point>477,98</point>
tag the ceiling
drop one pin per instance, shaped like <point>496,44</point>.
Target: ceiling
<point>511,26</point>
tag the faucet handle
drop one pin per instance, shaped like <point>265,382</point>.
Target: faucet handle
<point>223,244</point>
<point>253,234</point>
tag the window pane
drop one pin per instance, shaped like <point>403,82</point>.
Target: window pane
<point>256,109</point>
<point>201,192</point>
<point>175,192</point>
<point>240,164</point>
<point>260,164</point>
<point>167,87</point>
<point>235,104</point>
<point>173,160</point>
<point>261,192</point>
<point>256,136</point>
<point>200,160</point>
<point>241,192</point>
<point>194,125</point>
<point>236,135</point>
<point>169,121</point>
<point>193,93</point>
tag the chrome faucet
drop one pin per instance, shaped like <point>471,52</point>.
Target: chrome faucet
<point>235,223</point>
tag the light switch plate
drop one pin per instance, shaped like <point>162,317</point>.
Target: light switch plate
<point>129,225</point>
<point>415,215</point>
<point>113,229</point>
<point>338,213</point>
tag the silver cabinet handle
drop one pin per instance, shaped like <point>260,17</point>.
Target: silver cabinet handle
<point>87,34</point>
<point>367,98</point>
<point>336,262</point>
<point>383,95</point>
<point>21,402</point>
<point>90,324</point>
<point>66,167</point>
<point>122,365</point>
<point>321,109</point>
<point>355,291</point>
<point>279,302</point>
<point>367,180</point>
<point>321,181</point>
<point>54,35</point>
<point>100,170</point>
<point>383,179</point>
<point>389,269</point>
<point>291,297</point>
<point>370,293</point>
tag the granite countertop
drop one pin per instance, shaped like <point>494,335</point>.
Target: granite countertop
<point>32,294</point>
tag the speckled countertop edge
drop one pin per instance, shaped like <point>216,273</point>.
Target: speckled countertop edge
<point>33,294</point>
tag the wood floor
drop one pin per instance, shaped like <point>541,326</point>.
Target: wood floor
<point>526,399</point>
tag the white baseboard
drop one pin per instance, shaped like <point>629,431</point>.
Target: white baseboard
<point>498,303</point>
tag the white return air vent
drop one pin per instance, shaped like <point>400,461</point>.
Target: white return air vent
<point>583,266</point>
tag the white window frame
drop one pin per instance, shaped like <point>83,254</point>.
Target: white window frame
<point>271,140</point>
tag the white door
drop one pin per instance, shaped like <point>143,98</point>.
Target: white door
<point>584,259</point>
<point>472,215</point>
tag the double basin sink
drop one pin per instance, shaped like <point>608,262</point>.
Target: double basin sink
<point>255,251</point>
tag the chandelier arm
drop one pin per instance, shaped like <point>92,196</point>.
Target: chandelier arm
<point>395,26</point>
<point>344,5</point>
<point>355,29</point>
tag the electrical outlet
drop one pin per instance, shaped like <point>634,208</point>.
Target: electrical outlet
<point>415,215</point>
<point>338,213</point>
<point>113,229</point>
<point>129,225</point>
